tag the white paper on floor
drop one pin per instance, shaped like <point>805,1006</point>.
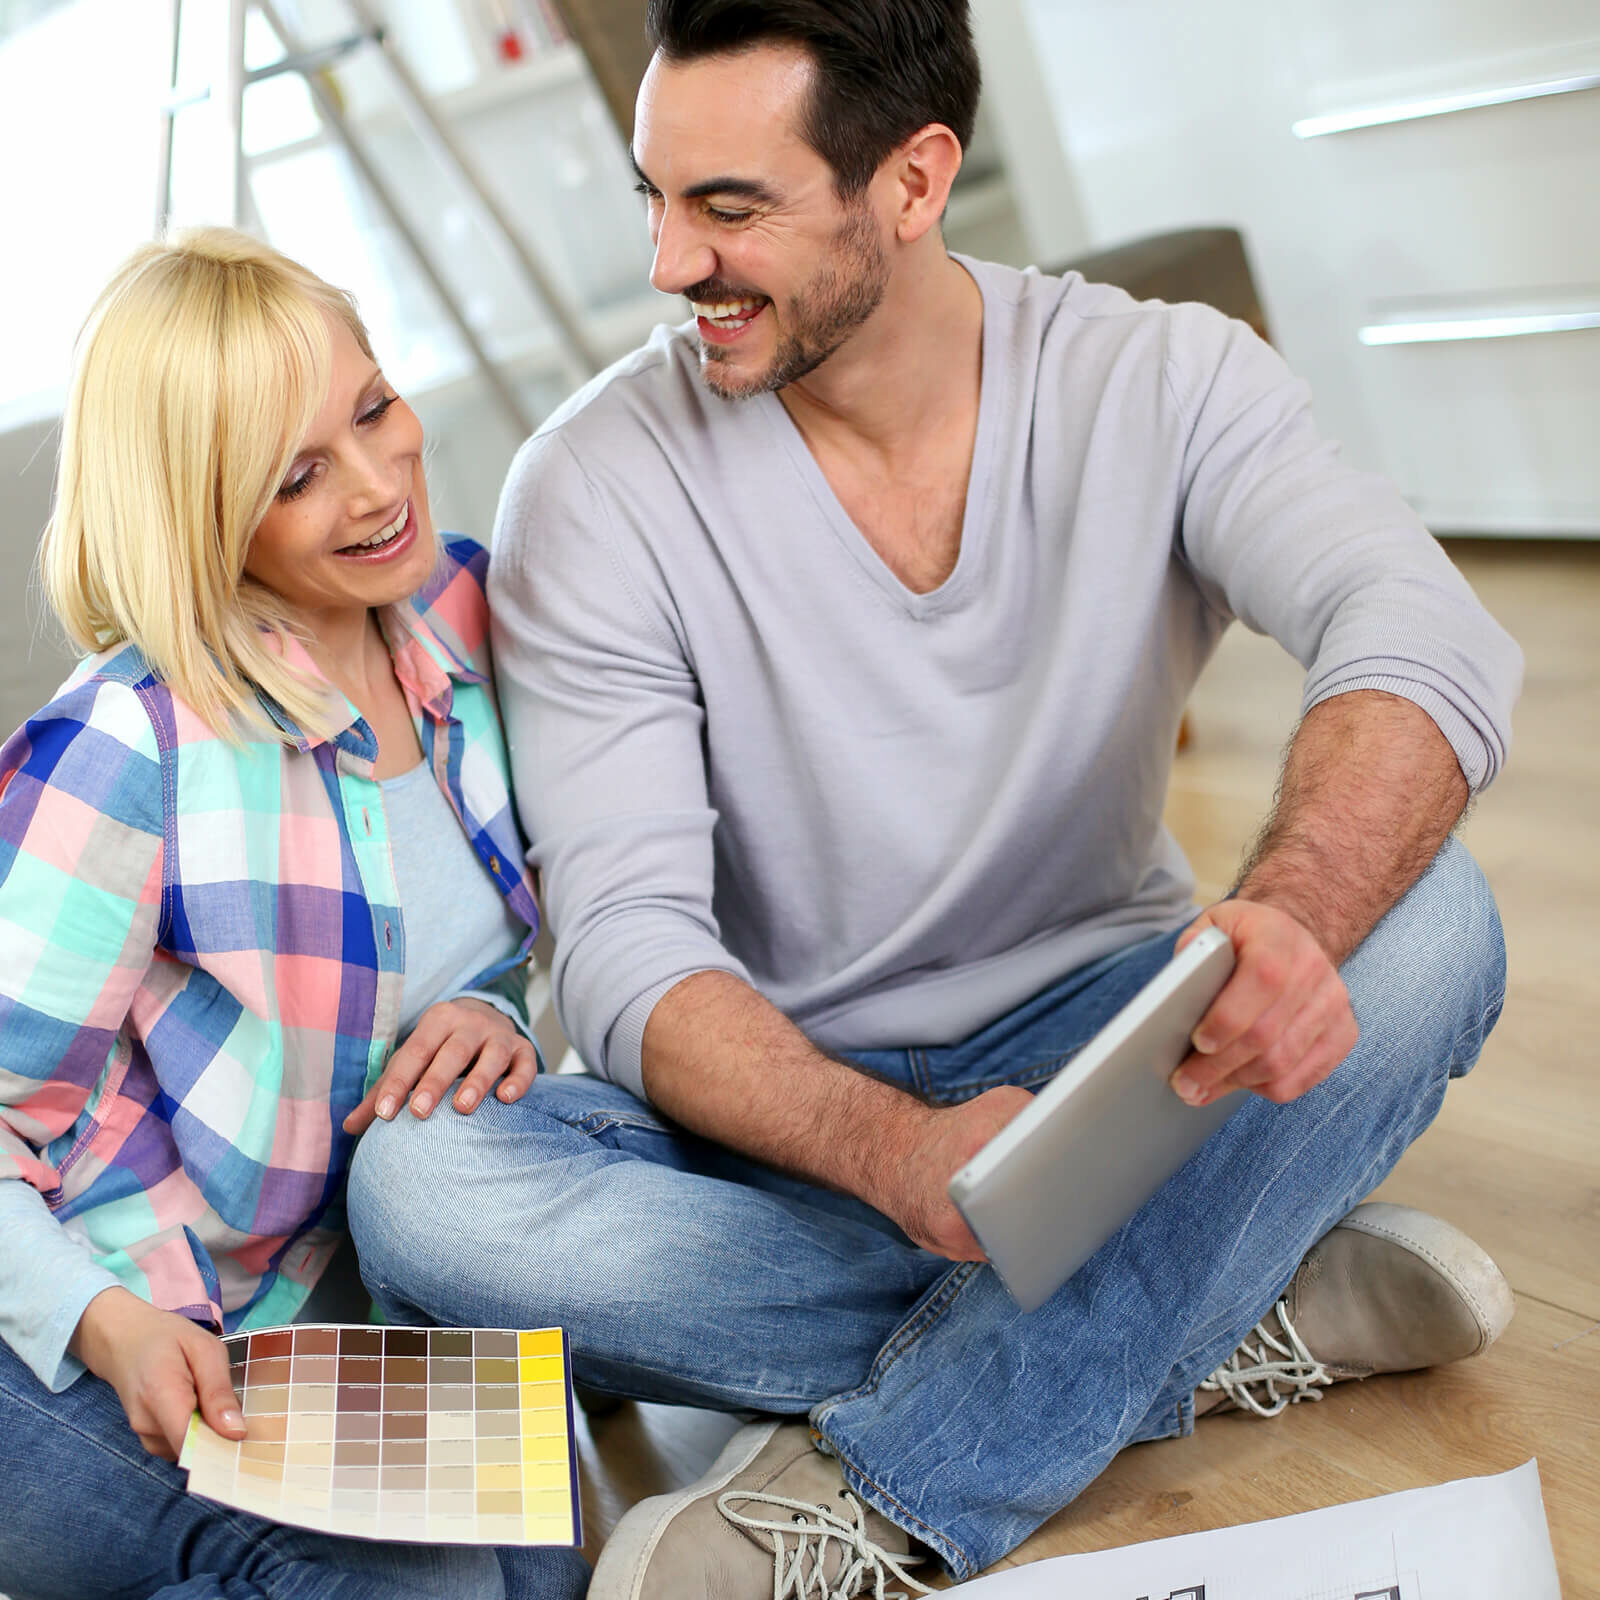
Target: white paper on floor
<point>1474,1539</point>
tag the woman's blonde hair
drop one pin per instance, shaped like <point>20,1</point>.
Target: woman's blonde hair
<point>198,372</point>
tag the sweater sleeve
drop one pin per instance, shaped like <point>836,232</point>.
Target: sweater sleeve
<point>605,723</point>
<point>1330,561</point>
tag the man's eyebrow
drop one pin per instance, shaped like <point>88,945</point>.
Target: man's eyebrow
<point>745,188</point>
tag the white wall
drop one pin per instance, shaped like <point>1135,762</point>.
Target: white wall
<point>33,655</point>
<point>1179,114</point>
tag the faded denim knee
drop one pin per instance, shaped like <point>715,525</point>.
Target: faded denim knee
<point>1435,966</point>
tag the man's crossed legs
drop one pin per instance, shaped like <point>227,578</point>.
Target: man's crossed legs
<point>685,1273</point>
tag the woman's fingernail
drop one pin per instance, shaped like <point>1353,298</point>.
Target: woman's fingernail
<point>1187,1089</point>
<point>421,1104</point>
<point>467,1099</point>
<point>1204,1043</point>
<point>386,1107</point>
<point>232,1420</point>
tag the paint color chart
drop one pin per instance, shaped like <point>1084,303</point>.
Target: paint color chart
<point>436,1435</point>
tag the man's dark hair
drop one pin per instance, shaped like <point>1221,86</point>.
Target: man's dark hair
<point>884,68</point>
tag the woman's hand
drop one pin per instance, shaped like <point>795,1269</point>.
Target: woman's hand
<point>450,1037</point>
<point>162,1366</point>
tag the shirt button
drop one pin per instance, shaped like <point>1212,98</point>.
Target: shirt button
<point>494,865</point>
<point>388,937</point>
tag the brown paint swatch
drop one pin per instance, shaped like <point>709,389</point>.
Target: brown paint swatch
<point>446,1435</point>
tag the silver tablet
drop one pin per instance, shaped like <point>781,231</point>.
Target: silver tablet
<point>1064,1174</point>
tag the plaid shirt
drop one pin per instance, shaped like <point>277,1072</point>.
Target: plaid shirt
<point>201,957</point>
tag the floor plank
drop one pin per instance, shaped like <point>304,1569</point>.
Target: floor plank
<point>641,1450</point>
<point>1364,1439</point>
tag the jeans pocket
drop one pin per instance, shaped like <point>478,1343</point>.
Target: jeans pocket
<point>951,1082</point>
<point>607,1125</point>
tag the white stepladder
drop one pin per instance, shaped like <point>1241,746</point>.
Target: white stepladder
<point>310,64</point>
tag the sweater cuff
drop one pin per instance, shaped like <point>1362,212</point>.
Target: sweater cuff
<point>1477,760</point>
<point>625,1042</point>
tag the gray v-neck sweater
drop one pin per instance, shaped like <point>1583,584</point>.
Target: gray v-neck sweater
<point>740,743</point>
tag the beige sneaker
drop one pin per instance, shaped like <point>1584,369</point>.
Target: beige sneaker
<point>1387,1289</point>
<point>771,1520</point>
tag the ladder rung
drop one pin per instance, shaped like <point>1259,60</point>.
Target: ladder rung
<point>315,60</point>
<point>304,61</point>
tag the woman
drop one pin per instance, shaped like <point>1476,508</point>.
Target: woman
<point>260,835</point>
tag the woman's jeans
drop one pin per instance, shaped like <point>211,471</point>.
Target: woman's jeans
<point>686,1273</point>
<point>87,1514</point>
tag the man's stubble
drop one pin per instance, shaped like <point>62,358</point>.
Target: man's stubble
<point>819,318</point>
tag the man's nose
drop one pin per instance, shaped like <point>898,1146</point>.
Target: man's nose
<point>683,257</point>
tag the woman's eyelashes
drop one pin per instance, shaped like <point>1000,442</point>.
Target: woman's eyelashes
<point>297,483</point>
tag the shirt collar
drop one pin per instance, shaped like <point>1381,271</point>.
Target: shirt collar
<point>425,665</point>
<point>423,662</point>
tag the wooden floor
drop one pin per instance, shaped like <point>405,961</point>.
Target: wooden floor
<point>1514,1157</point>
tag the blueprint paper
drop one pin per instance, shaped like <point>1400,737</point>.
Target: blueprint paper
<point>1474,1539</point>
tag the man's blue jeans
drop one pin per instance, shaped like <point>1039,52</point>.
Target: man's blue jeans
<point>88,1514</point>
<point>686,1273</point>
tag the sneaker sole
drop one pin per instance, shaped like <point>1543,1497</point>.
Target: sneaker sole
<point>1463,1263</point>
<point>620,1570</point>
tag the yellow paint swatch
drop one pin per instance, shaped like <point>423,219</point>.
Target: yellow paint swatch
<point>441,1435</point>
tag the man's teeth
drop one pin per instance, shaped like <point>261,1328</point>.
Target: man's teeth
<point>384,535</point>
<point>726,313</point>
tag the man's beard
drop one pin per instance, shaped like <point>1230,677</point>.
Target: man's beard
<point>818,319</point>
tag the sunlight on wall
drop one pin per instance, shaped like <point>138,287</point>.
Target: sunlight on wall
<point>79,93</point>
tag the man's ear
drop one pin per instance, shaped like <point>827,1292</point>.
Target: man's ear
<point>924,167</point>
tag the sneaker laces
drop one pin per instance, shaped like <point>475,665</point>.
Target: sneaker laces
<point>1284,1368</point>
<point>798,1573</point>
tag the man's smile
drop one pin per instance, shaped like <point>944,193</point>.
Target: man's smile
<point>727,317</point>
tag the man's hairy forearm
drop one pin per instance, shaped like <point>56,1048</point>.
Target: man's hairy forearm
<point>1370,789</point>
<point>728,1065</point>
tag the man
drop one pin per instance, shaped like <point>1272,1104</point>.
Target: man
<point>843,636</point>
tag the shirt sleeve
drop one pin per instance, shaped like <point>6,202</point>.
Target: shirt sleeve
<point>605,725</point>
<point>1330,561</point>
<point>81,850</point>
<point>46,1280</point>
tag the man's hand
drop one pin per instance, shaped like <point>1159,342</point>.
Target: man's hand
<point>162,1366</point>
<point>448,1038</point>
<point>918,1197</point>
<point>1282,1022</point>
<point>1370,789</point>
